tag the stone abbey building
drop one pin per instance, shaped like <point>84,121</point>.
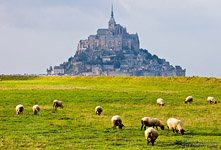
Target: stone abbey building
<point>115,38</point>
<point>114,52</point>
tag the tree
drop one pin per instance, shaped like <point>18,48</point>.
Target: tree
<point>82,57</point>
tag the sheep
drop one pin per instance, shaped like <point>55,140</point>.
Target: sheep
<point>175,125</point>
<point>211,100</point>
<point>98,110</point>
<point>188,100</point>
<point>160,102</point>
<point>57,103</point>
<point>151,135</point>
<point>151,122</point>
<point>19,109</point>
<point>35,109</point>
<point>117,121</point>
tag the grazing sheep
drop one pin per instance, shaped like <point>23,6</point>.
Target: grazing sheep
<point>211,100</point>
<point>175,125</point>
<point>189,99</point>
<point>57,103</point>
<point>35,109</point>
<point>151,122</point>
<point>98,110</point>
<point>160,102</point>
<point>19,109</point>
<point>117,121</point>
<point>151,135</point>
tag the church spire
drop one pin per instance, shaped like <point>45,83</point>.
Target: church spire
<point>111,23</point>
<point>112,11</point>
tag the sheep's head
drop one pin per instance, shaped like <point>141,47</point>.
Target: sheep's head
<point>162,127</point>
<point>150,135</point>
<point>97,112</point>
<point>121,126</point>
<point>182,131</point>
<point>21,109</point>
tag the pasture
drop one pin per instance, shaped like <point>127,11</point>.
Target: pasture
<point>76,126</point>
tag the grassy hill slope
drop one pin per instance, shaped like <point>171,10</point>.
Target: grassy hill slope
<point>77,127</point>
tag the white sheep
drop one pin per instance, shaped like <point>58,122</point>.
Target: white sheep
<point>175,125</point>
<point>98,110</point>
<point>57,103</point>
<point>151,122</point>
<point>117,121</point>
<point>160,102</point>
<point>35,109</point>
<point>151,135</point>
<point>211,100</point>
<point>188,100</point>
<point>19,109</point>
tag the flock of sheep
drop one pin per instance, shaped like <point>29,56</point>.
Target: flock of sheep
<point>150,133</point>
<point>20,108</point>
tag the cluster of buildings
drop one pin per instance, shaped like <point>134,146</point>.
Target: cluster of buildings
<point>114,52</point>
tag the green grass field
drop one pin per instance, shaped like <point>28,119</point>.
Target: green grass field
<point>77,127</point>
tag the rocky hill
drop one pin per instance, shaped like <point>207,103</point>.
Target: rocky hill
<point>115,52</point>
<point>117,63</point>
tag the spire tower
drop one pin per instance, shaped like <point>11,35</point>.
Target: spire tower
<point>111,23</point>
<point>112,11</point>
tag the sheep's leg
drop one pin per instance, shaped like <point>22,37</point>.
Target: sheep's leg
<point>141,127</point>
<point>144,127</point>
<point>152,143</point>
<point>115,123</point>
<point>168,130</point>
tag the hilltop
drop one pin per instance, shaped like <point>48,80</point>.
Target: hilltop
<point>114,52</point>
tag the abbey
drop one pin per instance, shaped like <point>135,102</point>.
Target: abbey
<point>115,38</point>
<point>114,52</point>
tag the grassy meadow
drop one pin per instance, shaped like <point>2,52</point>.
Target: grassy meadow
<point>76,126</point>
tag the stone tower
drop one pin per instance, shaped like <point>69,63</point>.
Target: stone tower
<point>111,23</point>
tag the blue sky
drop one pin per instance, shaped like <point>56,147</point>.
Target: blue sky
<point>36,34</point>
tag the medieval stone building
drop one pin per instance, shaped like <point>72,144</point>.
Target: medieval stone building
<point>114,38</point>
